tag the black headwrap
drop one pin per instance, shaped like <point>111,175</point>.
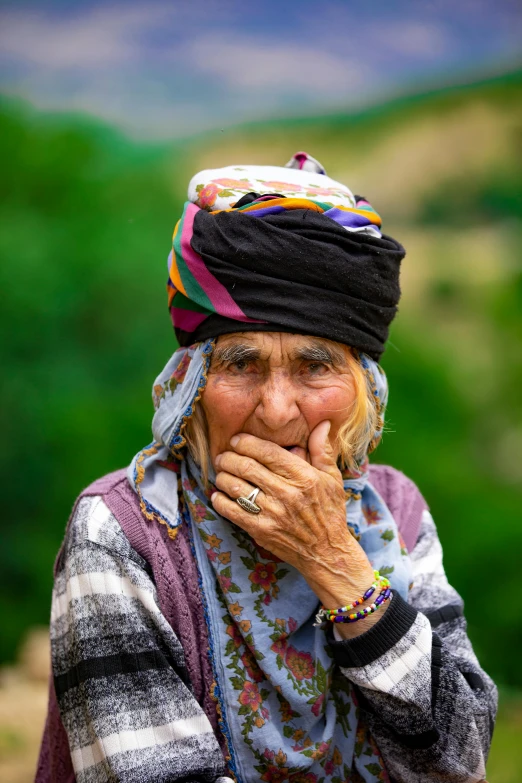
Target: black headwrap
<point>297,270</point>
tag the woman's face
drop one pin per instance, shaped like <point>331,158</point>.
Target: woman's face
<point>278,387</point>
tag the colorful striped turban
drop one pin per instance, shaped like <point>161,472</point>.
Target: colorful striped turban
<point>253,252</point>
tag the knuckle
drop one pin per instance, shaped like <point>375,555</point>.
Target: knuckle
<point>293,496</point>
<point>248,468</point>
<point>227,461</point>
<point>273,450</point>
<point>308,481</point>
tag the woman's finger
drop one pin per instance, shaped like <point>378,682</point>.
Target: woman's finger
<point>253,524</point>
<point>321,452</point>
<point>235,488</point>
<point>275,458</point>
<point>252,472</point>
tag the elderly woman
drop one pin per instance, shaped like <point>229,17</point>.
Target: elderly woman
<point>252,601</point>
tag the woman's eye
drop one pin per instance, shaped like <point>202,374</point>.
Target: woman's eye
<point>317,368</point>
<point>240,366</point>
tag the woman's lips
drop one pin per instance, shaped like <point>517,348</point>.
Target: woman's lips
<point>298,451</point>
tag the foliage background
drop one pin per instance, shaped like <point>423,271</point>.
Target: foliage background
<point>86,217</point>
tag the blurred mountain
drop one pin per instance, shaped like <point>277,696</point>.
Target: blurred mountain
<point>85,223</point>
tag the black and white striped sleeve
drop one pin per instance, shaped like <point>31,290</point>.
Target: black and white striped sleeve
<point>119,669</point>
<point>428,704</point>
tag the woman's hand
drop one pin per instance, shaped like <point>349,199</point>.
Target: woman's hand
<point>303,514</point>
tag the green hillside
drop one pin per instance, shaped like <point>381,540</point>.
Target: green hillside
<point>85,223</point>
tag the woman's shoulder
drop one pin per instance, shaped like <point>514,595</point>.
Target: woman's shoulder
<point>105,484</point>
<point>96,520</point>
<point>394,485</point>
<point>403,498</point>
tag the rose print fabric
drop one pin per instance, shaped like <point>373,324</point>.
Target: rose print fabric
<point>291,715</point>
<point>287,712</point>
<point>302,177</point>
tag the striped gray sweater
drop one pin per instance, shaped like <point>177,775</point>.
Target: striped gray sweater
<point>126,700</point>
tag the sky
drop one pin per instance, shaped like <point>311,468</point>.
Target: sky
<point>161,70</point>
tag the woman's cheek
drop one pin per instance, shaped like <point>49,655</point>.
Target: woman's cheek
<point>227,406</point>
<point>331,403</point>
<point>230,395</point>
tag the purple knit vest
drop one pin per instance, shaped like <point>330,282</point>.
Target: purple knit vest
<point>176,579</point>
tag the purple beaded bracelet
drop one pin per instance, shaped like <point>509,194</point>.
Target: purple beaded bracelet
<point>362,613</point>
<point>339,615</point>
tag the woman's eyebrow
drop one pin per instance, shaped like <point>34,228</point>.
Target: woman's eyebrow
<point>235,353</point>
<point>320,353</point>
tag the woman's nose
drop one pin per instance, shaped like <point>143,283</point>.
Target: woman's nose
<point>278,402</point>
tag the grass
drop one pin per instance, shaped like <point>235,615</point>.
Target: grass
<point>505,760</point>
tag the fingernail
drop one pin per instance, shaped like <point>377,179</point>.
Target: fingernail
<point>234,441</point>
<point>213,495</point>
<point>217,460</point>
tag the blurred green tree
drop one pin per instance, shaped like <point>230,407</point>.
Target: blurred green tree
<point>85,221</point>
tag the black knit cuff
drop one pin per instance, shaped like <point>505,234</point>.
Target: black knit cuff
<point>366,648</point>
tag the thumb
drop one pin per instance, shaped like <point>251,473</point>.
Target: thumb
<point>320,449</point>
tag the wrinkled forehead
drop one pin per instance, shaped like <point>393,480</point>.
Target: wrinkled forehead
<point>279,345</point>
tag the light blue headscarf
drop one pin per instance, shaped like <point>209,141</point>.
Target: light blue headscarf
<point>287,712</point>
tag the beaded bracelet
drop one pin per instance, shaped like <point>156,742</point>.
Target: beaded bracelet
<point>379,581</point>
<point>332,614</point>
<point>362,613</point>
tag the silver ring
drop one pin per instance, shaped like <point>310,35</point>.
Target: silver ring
<point>249,503</point>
